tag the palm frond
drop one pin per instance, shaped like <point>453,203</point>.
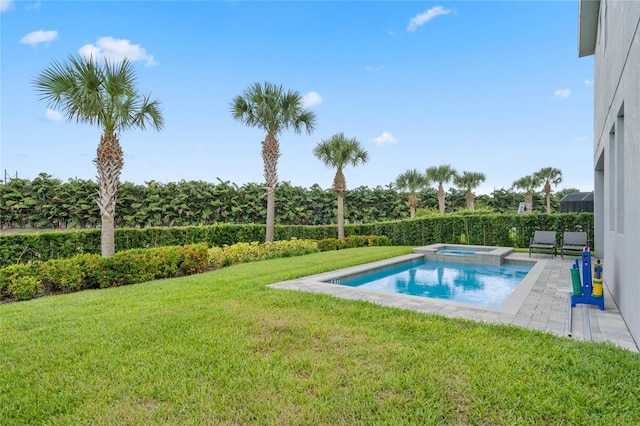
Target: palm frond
<point>268,106</point>
<point>102,95</point>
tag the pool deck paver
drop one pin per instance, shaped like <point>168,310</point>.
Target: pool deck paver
<point>545,307</point>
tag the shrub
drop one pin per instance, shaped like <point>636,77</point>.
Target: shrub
<point>139,265</point>
<point>353,241</point>
<point>193,258</point>
<point>127,267</point>
<point>93,266</point>
<point>330,244</point>
<point>12,273</point>
<point>61,275</point>
<point>92,271</point>
<point>25,287</point>
<point>226,255</point>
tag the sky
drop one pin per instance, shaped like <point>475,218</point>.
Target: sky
<point>491,87</point>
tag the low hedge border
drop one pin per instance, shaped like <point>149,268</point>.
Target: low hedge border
<point>90,271</point>
<point>87,271</point>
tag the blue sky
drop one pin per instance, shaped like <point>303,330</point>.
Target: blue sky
<point>492,87</point>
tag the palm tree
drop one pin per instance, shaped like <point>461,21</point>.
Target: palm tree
<point>105,96</point>
<point>441,174</point>
<point>528,184</point>
<point>338,152</point>
<point>272,109</point>
<point>469,181</point>
<point>413,181</point>
<point>549,175</point>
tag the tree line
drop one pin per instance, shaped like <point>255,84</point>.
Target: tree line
<point>105,95</point>
<point>47,202</point>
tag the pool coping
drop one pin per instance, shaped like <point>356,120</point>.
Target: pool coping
<point>320,283</point>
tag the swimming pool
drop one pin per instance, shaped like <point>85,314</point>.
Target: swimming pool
<point>323,283</point>
<point>477,284</point>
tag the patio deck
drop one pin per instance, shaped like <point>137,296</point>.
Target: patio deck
<point>545,307</point>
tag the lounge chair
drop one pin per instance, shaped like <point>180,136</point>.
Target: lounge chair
<point>544,240</point>
<point>573,241</point>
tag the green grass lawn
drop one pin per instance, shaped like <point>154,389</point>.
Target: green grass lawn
<point>223,348</point>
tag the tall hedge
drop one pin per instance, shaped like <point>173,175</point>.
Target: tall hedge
<point>480,229</point>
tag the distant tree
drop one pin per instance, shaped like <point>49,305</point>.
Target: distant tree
<point>441,174</point>
<point>504,200</point>
<point>549,176</point>
<point>469,181</point>
<point>527,184</point>
<point>338,152</point>
<point>413,181</point>
<point>270,108</point>
<point>105,96</point>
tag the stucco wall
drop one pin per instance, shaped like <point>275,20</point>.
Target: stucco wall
<point>617,87</point>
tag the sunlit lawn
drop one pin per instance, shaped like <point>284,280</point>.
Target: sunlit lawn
<point>223,348</point>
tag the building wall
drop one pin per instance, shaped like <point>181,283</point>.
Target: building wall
<point>617,154</point>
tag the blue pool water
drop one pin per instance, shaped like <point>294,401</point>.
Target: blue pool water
<point>458,252</point>
<point>484,285</point>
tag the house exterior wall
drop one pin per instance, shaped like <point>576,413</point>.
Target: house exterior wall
<point>617,153</point>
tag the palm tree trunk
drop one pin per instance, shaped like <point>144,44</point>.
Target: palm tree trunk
<point>109,162</point>
<point>340,186</point>
<point>340,216</point>
<point>271,213</point>
<point>547,193</point>
<point>270,155</point>
<point>528,201</point>
<point>470,200</point>
<point>413,201</point>
<point>441,198</point>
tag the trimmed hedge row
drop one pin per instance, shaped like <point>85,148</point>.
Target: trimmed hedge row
<point>87,271</point>
<point>479,229</point>
<point>483,229</point>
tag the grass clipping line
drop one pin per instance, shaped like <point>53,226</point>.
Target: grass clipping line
<point>223,348</point>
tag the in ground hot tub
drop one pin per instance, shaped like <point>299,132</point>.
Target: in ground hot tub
<point>461,253</point>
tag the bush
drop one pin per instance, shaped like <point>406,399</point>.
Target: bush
<point>93,266</point>
<point>92,271</point>
<point>193,259</point>
<point>12,273</point>
<point>353,241</point>
<point>220,257</point>
<point>61,275</point>
<point>129,267</point>
<point>140,265</point>
<point>330,244</point>
<point>25,287</point>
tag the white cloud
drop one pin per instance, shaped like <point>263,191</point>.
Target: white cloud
<point>312,98</point>
<point>35,6</point>
<point>588,82</point>
<point>384,139</point>
<point>580,140</point>
<point>199,147</point>
<point>116,50</point>
<point>52,115</point>
<point>562,94</point>
<point>5,5</point>
<point>378,68</point>
<point>41,36</point>
<point>424,17</point>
